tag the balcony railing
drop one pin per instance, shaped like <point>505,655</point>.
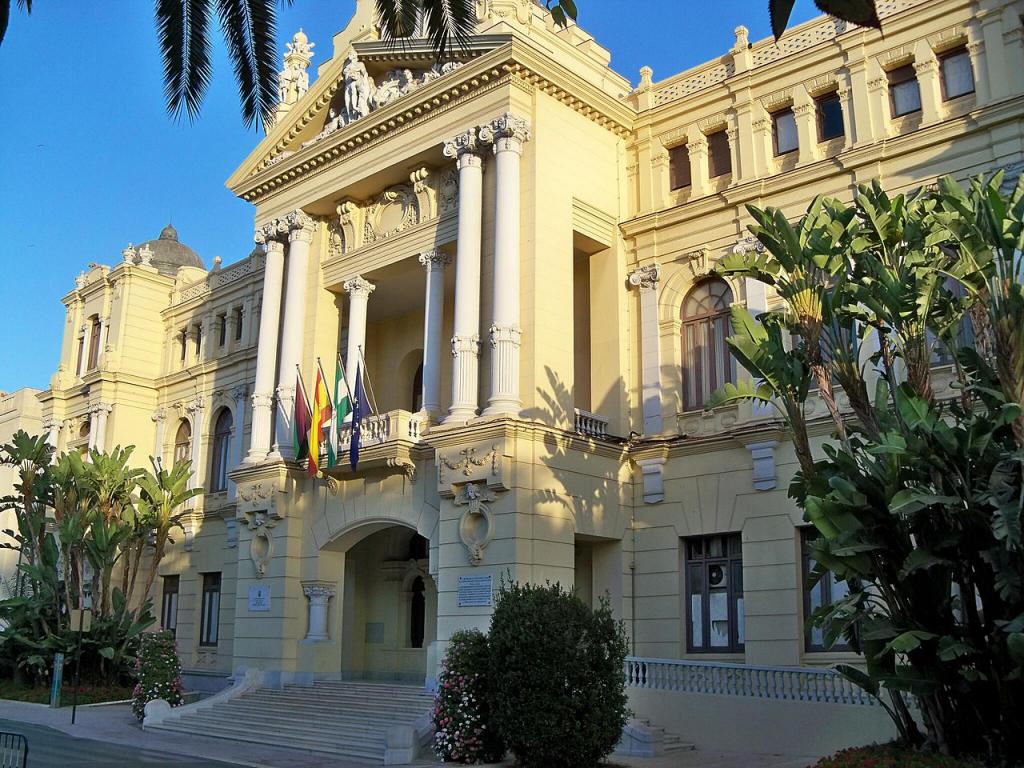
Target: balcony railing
<point>383,428</point>
<point>590,424</point>
<point>784,683</point>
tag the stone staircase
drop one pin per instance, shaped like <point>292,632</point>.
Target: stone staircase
<point>344,719</point>
<point>641,738</point>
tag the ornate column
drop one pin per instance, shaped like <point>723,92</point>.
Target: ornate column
<point>465,148</point>
<point>100,432</point>
<point>646,280</point>
<point>926,67</point>
<point>319,594</point>
<point>359,291</point>
<point>697,149</point>
<point>195,409</point>
<point>238,428</point>
<point>159,418</point>
<point>434,262</point>
<point>266,351</point>
<point>301,227</point>
<point>83,345</point>
<point>508,132</point>
<point>52,428</point>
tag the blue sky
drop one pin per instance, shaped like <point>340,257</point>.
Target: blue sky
<point>90,159</point>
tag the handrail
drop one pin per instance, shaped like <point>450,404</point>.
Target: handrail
<point>781,683</point>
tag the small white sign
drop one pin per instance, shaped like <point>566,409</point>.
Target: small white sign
<point>475,591</point>
<point>259,598</point>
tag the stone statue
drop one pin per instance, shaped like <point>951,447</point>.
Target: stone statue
<point>359,88</point>
<point>398,83</point>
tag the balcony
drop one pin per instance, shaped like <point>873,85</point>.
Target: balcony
<point>590,424</point>
<point>386,441</point>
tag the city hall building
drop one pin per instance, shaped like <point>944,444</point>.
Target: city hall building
<point>516,248</point>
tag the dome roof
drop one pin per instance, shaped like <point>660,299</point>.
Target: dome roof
<point>169,253</point>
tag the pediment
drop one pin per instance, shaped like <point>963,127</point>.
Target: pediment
<point>371,76</point>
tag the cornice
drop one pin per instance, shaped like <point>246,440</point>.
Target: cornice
<point>515,63</point>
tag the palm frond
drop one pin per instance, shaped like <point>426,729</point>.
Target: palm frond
<point>449,24</point>
<point>183,30</point>
<point>249,28</point>
<point>863,13</point>
<point>397,18</point>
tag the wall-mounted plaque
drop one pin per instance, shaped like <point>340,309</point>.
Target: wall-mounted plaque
<point>259,598</point>
<point>476,591</point>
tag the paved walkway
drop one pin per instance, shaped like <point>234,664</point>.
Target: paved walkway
<point>110,737</point>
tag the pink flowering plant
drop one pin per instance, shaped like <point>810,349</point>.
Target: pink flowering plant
<point>463,732</point>
<point>157,672</point>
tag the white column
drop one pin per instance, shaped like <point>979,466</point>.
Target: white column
<point>238,429</point>
<point>319,595</point>
<point>100,431</point>
<point>195,408</point>
<point>466,336</point>
<point>646,279</point>
<point>52,427</point>
<point>508,132</point>
<point>83,344</point>
<point>358,291</point>
<point>301,228</point>
<point>433,313</point>
<point>266,351</point>
<point>160,419</point>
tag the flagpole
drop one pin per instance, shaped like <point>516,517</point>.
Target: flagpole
<point>366,378</point>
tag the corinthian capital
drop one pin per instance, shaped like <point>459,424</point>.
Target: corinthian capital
<point>463,147</point>
<point>357,286</point>
<point>301,226</point>
<point>646,276</point>
<point>507,131</point>
<point>435,259</point>
<point>273,230</point>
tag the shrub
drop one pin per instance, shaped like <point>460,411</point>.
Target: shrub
<point>464,731</point>
<point>891,756</point>
<point>559,698</point>
<point>158,672</point>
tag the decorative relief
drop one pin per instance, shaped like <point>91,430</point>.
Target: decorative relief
<point>395,210</point>
<point>476,528</point>
<point>466,462</point>
<point>748,244</point>
<point>361,95</point>
<point>698,262</point>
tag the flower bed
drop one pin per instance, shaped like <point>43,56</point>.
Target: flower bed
<point>891,756</point>
<point>87,694</point>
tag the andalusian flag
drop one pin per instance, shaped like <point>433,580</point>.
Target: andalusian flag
<point>322,416</point>
<point>300,419</point>
<point>342,408</point>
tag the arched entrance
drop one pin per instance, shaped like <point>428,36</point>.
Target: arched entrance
<point>389,607</point>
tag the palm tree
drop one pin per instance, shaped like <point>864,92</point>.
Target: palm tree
<point>162,494</point>
<point>250,32</point>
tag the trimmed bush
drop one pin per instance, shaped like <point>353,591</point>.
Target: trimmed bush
<point>158,672</point>
<point>891,756</point>
<point>559,698</point>
<point>464,732</point>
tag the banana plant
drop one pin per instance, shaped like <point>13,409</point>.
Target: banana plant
<point>162,498</point>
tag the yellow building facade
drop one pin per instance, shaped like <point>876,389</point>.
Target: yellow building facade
<point>515,248</point>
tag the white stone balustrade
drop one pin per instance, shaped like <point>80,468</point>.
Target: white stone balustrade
<point>383,428</point>
<point>590,424</point>
<point>783,683</point>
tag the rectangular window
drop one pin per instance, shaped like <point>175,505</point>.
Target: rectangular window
<point>829,110</point>
<point>957,74</point>
<point>784,132</point>
<point>222,327</point>
<point>679,167</point>
<point>210,617</point>
<point>94,343</point>
<point>184,343</point>
<point>238,323</point>
<point>81,354</point>
<point>825,592</point>
<point>169,610</point>
<point>714,591</point>
<point>904,93</point>
<point>719,159</point>
<point>199,339</point>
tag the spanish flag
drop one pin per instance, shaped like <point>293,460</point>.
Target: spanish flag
<point>320,423</point>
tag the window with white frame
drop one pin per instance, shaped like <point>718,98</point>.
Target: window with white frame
<point>784,138</point>
<point>904,91</point>
<point>706,324</point>
<point>957,73</point>
<point>221,451</point>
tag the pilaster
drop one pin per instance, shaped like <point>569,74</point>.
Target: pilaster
<point>645,280</point>
<point>434,262</point>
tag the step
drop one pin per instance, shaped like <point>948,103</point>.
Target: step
<point>346,720</point>
<point>341,747</point>
<point>326,707</point>
<point>316,730</point>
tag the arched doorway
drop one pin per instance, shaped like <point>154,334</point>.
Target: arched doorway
<point>389,607</point>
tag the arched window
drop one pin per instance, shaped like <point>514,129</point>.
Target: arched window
<point>221,451</point>
<point>417,389</point>
<point>182,441</point>
<point>707,362</point>
<point>418,608</point>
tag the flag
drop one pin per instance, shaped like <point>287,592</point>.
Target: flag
<point>322,416</point>
<point>342,409</point>
<point>359,410</point>
<point>300,419</point>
